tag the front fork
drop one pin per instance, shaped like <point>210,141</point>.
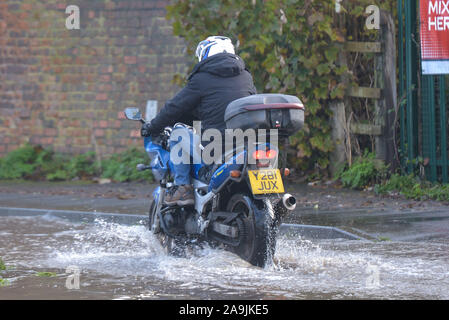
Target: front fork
<point>160,200</point>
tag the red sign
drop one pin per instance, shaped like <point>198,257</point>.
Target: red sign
<point>435,36</point>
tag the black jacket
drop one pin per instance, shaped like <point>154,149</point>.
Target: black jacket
<point>212,85</point>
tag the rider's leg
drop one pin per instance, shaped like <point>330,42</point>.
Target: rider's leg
<point>180,157</point>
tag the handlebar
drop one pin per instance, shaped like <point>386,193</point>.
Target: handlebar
<point>168,131</point>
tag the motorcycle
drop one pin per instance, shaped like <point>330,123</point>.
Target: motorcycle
<point>239,204</point>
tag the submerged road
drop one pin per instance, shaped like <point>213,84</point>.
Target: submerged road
<point>337,245</point>
<point>117,258</point>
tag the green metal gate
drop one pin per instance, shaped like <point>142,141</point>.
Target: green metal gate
<point>423,103</point>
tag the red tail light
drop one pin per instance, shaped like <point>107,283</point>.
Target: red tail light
<point>264,154</point>
<point>271,154</point>
<point>259,154</point>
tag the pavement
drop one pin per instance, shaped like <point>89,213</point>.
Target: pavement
<point>323,210</point>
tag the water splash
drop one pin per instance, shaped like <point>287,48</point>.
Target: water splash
<point>131,258</point>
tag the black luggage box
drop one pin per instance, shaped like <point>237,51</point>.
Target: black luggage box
<point>266,111</point>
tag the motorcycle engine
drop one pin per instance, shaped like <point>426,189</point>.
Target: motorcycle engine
<point>181,221</point>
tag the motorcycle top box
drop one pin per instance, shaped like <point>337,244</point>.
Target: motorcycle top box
<point>266,111</point>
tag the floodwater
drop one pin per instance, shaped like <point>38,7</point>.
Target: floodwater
<point>117,261</point>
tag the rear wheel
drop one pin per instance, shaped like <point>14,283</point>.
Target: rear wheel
<point>256,238</point>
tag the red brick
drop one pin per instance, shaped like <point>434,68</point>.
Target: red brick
<point>106,69</point>
<point>110,5</point>
<point>141,68</point>
<point>135,134</point>
<point>101,97</point>
<point>105,78</point>
<point>50,132</point>
<point>122,68</point>
<point>105,88</point>
<point>27,6</point>
<point>81,141</point>
<point>130,59</point>
<point>99,132</point>
<point>12,147</point>
<point>47,141</point>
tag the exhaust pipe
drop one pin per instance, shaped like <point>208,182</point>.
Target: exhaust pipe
<point>289,202</point>
<point>285,205</point>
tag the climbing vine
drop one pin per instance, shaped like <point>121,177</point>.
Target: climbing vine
<point>289,46</point>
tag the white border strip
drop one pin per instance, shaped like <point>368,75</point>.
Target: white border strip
<point>435,67</point>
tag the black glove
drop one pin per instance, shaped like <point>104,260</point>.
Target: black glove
<point>146,130</point>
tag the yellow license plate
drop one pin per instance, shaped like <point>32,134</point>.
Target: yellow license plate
<point>266,181</point>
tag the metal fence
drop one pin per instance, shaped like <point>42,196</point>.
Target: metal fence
<point>423,103</point>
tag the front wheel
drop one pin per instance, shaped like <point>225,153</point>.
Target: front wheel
<point>166,242</point>
<point>257,231</point>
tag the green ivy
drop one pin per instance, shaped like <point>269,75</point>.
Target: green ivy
<point>289,47</point>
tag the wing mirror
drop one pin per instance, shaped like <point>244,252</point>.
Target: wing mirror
<point>133,114</point>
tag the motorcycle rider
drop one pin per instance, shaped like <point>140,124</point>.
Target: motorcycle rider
<point>219,78</point>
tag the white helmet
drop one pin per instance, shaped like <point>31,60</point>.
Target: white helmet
<point>213,45</point>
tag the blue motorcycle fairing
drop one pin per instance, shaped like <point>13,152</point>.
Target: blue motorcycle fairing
<point>160,157</point>
<point>195,170</point>
<point>223,173</point>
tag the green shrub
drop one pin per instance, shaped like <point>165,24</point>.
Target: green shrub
<point>36,163</point>
<point>4,282</point>
<point>364,171</point>
<point>2,265</point>
<point>52,166</point>
<point>19,163</point>
<point>83,165</point>
<point>397,182</point>
<point>63,168</point>
<point>122,167</point>
<point>46,274</point>
<point>412,188</point>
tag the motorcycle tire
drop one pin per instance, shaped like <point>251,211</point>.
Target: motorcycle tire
<point>257,240</point>
<point>167,243</point>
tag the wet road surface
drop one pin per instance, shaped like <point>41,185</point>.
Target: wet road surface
<point>118,261</point>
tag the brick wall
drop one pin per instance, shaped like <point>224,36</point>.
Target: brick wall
<point>65,89</point>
